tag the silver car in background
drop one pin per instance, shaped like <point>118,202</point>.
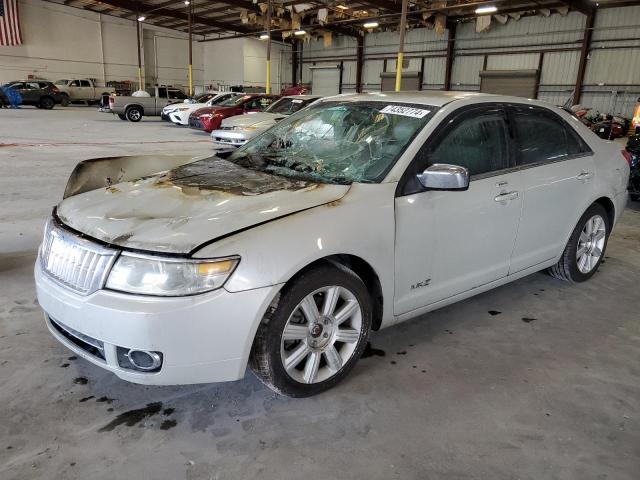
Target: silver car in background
<point>238,130</point>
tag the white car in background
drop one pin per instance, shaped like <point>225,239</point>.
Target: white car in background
<point>179,113</point>
<point>237,130</point>
<point>351,215</point>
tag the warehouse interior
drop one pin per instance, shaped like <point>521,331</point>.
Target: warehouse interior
<point>534,379</point>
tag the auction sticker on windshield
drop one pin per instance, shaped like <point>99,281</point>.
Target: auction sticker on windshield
<point>405,111</point>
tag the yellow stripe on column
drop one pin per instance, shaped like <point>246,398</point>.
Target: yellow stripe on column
<point>268,89</point>
<point>399,71</point>
<point>190,80</point>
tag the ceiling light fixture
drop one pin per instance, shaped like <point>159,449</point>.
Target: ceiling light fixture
<point>371,25</point>
<point>488,9</point>
<point>141,18</point>
<point>264,36</point>
<point>342,7</point>
<point>187,2</point>
<point>299,32</point>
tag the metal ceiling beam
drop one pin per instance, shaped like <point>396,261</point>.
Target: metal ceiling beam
<point>164,12</point>
<point>583,6</point>
<point>385,4</point>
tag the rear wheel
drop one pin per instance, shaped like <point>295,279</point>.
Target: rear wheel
<point>47,103</point>
<point>585,250</point>
<point>315,334</point>
<point>133,114</point>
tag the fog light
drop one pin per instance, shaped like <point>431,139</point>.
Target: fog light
<point>140,360</point>
<point>144,360</point>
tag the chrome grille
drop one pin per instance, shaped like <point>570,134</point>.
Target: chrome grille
<point>74,262</point>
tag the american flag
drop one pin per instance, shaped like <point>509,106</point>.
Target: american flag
<point>10,33</point>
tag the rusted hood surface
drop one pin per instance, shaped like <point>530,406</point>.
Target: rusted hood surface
<point>190,205</point>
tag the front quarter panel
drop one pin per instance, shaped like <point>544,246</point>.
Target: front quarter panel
<point>360,224</point>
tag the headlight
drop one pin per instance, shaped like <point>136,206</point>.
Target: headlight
<point>168,277</point>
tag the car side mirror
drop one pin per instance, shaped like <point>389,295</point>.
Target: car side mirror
<point>441,176</point>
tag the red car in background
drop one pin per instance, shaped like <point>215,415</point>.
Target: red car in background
<point>209,118</point>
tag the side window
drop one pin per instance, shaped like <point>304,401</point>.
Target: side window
<point>478,142</point>
<point>162,92</point>
<point>75,83</point>
<point>84,83</point>
<point>33,86</point>
<point>544,138</point>
<point>176,94</point>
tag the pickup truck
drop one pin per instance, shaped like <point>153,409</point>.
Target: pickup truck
<point>133,108</point>
<point>82,90</point>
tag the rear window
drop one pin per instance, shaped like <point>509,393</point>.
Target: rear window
<point>287,106</point>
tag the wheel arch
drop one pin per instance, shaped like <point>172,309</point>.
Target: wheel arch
<point>609,206</point>
<point>360,267</point>
<point>132,105</point>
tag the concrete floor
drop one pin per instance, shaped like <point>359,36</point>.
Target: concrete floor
<point>535,380</point>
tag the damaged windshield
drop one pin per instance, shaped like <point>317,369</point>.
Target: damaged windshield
<point>336,142</point>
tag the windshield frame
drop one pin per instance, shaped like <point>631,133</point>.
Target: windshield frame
<point>433,109</point>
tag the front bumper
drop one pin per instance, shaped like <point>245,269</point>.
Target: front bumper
<point>181,118</point>
<point>231,138</point>
<point>203,338</point>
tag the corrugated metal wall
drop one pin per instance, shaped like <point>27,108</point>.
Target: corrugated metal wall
<point>611,83</point>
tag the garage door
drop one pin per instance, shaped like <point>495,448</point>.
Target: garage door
<point>410,81</point>
<point>519,83</point>
<point>325,81</point>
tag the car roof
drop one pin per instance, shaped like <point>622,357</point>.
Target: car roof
<point>433,98</point>
<point>304,97</point>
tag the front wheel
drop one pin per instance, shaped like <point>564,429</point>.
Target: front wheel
<point>585,250</point>
<point>315,334</point>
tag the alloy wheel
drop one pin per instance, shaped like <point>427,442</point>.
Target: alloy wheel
<point>591,244</point>
<point>321,334</point>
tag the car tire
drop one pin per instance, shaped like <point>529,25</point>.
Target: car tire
<point>65,100</point>
<point>133,114</point>
<point>122,116</point>
<point>320,348</point>
<point>586,247</point>
<point>47,103</point>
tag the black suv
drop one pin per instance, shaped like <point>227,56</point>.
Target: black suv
<point>37,93</point>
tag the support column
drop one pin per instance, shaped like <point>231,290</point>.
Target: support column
<point>190,7</point>
<point>138,27</point>
<point>584,53</point>
<point>400,59</point>
<point>359,63</point>
<point>268,86</point>
<point>451,46</point>
<point>294,62</point>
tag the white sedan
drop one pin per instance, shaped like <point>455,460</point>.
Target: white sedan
<point>237,130</point>
<point>178,113</point>
<point>351,215</point>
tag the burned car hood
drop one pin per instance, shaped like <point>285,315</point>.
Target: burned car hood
<point>178,210</point>
<point>258,119</point>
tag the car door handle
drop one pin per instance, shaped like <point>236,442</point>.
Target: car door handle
<point>503,197</point>
<point>584,176</point>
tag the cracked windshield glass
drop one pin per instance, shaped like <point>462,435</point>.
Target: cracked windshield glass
<point>336,142</point>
